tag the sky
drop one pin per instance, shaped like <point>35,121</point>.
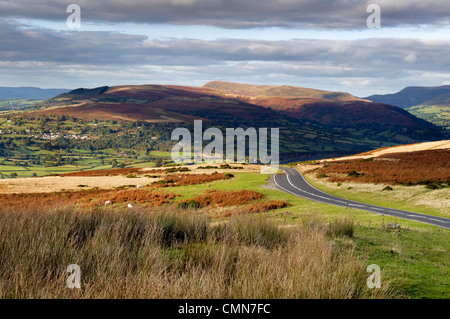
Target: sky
<point>318,44</point>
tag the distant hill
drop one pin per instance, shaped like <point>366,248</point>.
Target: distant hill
<point>329,108</point>
<point>29,93</point>
<point>277,91</point>
<point>411,96</point>
<point>312,123</point>
<point>429,103</point>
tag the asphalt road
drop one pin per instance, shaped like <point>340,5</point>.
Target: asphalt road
<point>294,183</point>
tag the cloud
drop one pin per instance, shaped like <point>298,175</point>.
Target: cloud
<point>411,58</point>
<point>321,57</point>
<point>340,14</point>
<point>37,56</point>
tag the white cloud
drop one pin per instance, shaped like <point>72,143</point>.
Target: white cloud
<point>411,58</point>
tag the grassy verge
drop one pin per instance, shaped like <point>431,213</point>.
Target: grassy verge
<point>412,198</point>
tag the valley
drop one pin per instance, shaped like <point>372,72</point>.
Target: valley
<point>128,126</point>
<point>94,160</point>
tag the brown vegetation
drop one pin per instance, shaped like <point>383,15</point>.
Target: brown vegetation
<point>421,167</point>
<point>261,207</point>
<point>247,200</point>
<point>190,179</point>
<point>226,198</point>
<point>164,254</point>
<point>82,199</point>
<point>111,172</point>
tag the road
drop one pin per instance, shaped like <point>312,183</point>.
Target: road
<point>294,183</point>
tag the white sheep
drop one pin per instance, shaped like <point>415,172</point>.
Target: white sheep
<point>108,202</point>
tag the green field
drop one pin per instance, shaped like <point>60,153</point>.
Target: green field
<point>436,114</point>
<point>16,104</point>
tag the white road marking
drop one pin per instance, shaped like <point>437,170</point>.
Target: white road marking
<point>367,207</point>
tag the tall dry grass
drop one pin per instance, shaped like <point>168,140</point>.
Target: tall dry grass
<point>139,253</point>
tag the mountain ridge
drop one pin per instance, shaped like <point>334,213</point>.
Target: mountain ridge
<point>411,96</point>
<point>29,92</point>
<point>429,103</point>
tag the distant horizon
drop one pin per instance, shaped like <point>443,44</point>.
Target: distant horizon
<point>313,88</point>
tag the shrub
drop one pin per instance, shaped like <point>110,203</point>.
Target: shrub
<point>362,160</point>
<point>175,229</point>
<point>312,221</point>
<point>408,184</point>
<point>341,227</point>
<point>189,179</point>
<point>226,198</point>
<point>355,174</point>
<point>189,204</point>
<point>177,169</point>
<point>248,230</point>
<point>261,207</point>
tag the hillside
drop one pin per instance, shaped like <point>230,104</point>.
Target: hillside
<point>333,109</point>
<point>411,96</point>
<point>211,102</point>
<point>175,105</point>
<point>434,113</point>
<point>277,91</point>
<point>408,148</point>
<point>112,122</point>
<point>429,103</point>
